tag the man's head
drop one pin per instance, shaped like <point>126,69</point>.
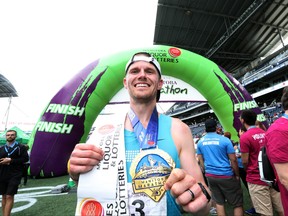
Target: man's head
<point>210,125</point>
<point>134,65</point>
<point>227,134</point>
<point>249,117</point>
<point>284,98</point>
<point>11,135</point>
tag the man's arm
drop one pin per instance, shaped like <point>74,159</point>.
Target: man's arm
<point>281,169</point>
<point>234,164</point>
<point>189,175</point>
<point>245,158</point>
<point>201,162</point>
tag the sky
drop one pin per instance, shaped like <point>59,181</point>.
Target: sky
<point>43,44</point>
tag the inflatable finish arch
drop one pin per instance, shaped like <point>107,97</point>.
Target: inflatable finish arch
<point>69,116</point>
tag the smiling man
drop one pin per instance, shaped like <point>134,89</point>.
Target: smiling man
<point>162,176</point>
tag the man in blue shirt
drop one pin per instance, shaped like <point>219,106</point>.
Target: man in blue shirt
<point>217,157</point>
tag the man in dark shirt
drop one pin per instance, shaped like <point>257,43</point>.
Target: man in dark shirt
<point>12,158</point>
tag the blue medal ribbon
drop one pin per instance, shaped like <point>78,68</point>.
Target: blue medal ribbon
<point>146,137</point>
<point>8,149</point>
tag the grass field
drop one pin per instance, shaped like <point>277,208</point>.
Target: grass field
<point>36,199</point>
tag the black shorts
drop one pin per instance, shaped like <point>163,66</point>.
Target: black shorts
<point>226,189</point>
<point>10,186</point>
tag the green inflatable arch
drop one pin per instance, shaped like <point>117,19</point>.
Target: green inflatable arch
<point>69,116</point>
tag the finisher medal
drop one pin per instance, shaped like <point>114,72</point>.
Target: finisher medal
<point>149,171</point>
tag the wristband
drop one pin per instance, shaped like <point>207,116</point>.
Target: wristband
<point>68,170</point>
<point>204,191</point>
<point>68,166</point>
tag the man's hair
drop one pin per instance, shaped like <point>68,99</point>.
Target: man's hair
<point>249,117</point>
<point>210,125</point>
<point>227,134</point>
<point>12,131</point>
<point>260,125</point>
<point>284,98</point>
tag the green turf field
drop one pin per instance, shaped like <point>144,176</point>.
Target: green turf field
<point>36,199</point>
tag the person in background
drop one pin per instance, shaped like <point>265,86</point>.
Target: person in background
<point>217,157</point>
<point>219,130</point>
<point>12,159</point>
<point>264,198</point>
<point>236,147</point>
<point>277,150</point>
<point>26,167</point>
<point>185,188</point>
<point>228,135</point>
<point>213,210</point>
<point>259,124</point>
<point>242,171</point>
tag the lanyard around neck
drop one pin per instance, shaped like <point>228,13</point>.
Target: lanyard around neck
<point>147,137</point>
<point>8,149</point>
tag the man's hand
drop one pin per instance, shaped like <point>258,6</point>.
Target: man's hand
<point>83,158</point>
<point>5,161</point>
<point>187,192</point>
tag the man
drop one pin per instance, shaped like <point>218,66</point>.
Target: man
<point>26,167</point>
<point>217,156</point>
<point>184,185</point>
<point>12,159</point>
<point>264,198</point>
<point>277,148</point>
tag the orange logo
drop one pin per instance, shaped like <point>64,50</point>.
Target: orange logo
<point>174,52</point>
<point>106,129</point>
<point>92,208</point>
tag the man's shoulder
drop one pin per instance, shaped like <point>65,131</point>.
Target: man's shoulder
<point>175,121</point>
<point>279,124</point>
<point>22,146</point>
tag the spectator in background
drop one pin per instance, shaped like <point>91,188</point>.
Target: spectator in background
<point>259,124</point>
<point>26,167</point>
<point>236,147</point>
<point>219,130</point>
<point>264,198</point>
<point>277,148</point>
<point>228,135</point>
<point>12,158</point>
<point>217,157</point>
<point>242,171</point>
<point>242,130</point>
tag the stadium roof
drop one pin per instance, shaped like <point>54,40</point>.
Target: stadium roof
<point>231,33</point>
<point>6,88</point>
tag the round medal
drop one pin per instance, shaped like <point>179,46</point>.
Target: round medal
<point>149,171</point>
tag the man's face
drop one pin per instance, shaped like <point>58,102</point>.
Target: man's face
<point>10,136</point>
<point>241,120</point>
<point>142,81</point>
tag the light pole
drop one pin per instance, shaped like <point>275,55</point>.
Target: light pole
<point>7,113</point>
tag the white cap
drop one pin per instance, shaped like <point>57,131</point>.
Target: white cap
<point>142,57</point>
